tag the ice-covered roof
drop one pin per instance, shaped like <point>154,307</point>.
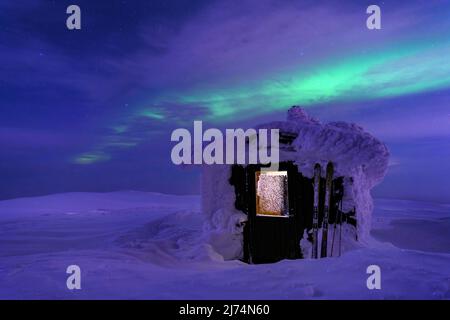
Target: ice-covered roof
<point>347,145</point>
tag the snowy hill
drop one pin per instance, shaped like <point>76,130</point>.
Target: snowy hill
<point>136,245</point>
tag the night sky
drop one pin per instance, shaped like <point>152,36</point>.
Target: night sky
<point>93,109</point>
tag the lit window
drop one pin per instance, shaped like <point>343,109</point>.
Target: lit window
<point>272,193</point>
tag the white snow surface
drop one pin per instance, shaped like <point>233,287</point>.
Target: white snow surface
<point>136,245</point>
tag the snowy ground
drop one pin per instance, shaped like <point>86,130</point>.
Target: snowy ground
<point>135,245</point>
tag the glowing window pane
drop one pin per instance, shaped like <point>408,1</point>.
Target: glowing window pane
<point>272,193</point>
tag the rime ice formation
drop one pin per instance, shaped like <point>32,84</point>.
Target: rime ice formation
<point>357,156</point>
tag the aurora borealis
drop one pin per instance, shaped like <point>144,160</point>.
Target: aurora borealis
<point>400,71</point>
<point>393,73</point>
<point>100,103</point>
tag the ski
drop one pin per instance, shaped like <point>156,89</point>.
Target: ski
<point>315,224</point>
<point>336,221</point>
<point>326,210</point>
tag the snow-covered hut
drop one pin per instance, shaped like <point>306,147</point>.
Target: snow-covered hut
<point>267,216</point>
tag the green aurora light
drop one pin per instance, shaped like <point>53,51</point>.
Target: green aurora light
<point>401,70</point>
